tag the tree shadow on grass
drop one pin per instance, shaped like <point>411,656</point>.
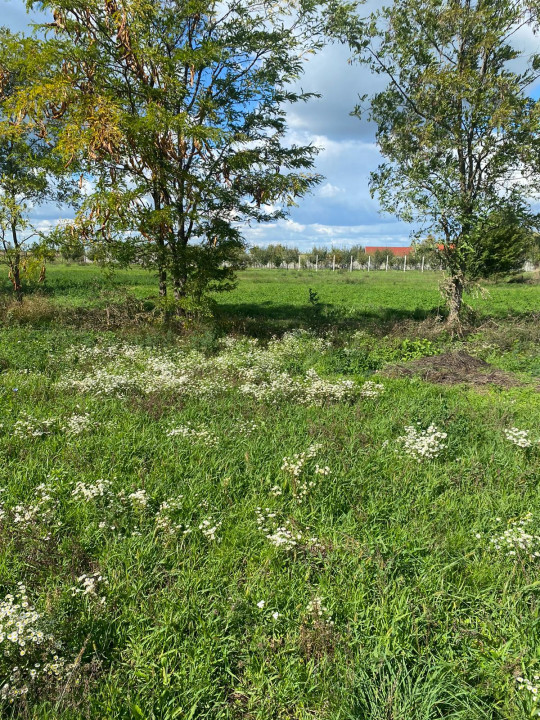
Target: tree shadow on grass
<point>267,318</point>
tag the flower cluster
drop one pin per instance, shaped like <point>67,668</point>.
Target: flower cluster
<point>202,435</point>
<point>283,535</point>
<point>101,488</point>
<point>28,426</point>
<point>516,541</point>
<point>318,612</point>
<point>167,518</point>
<point>77,424</point>
<point>295,467</point>
<point>90,585</point>
<point>422,444</point>
<point>28,655</point>
<point>531,688</point>
<point>246,427</point>
<point>138,499</point>
<point>256,371</point>
<point>40,512</point>
<point>209,528</point>
<point>521,438</point>
<point>371,389</point>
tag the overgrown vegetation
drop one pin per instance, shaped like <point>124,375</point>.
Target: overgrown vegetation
<point>210,525</point>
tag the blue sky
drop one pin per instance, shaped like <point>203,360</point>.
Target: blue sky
<point>340,211</point>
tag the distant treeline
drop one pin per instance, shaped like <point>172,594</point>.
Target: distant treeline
<point>425,254</point>
<point>422,255</point>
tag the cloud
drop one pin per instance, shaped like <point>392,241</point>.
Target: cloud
<point>329,191</point>
<point>392,233</point>
<point>341,210</point>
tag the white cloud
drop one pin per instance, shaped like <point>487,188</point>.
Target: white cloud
<point>329,191</point>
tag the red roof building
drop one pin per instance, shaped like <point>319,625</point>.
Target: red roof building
<point>395,251</point>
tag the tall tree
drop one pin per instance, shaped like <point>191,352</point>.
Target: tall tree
<point>177,109</point>
<point>458,132</point>
<point>30,174</point>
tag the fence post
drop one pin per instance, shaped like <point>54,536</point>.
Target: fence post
<point>333,263</point>
<point>316,263</point>
<point>299,262</point>
<point>404,263</point>
<point>368,262</point>
<point>422,263</point>
<point>387,263</point>
<point>351,265</point>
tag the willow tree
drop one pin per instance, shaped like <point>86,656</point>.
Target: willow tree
<point>455,125</point>
<point>176,111</point>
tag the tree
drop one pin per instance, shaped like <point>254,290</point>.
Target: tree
<point>177,111</point>
<point>454,124</point>
<point>379,259</point>
<point>29,172</point>
<point>290,255</point>
<point>502,242</point>
<point>429,249</point>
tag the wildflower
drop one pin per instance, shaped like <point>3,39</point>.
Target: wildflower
<point>76,424</point>
<point>209,528</point>
<point>521,438</point>
<point>41,512</point>
<point>28,426</point>
<point>282,535</point>
<point>261,604</point>
<point>516,541</point>
<point>22,643</point>
<point>89,585</point>
<point>422,444</point>
<point>319,612</point>
<point>100,488</point>
<point>371,389</point>
<point>202,435</point>
<point>532,688</point>
<point>139,499</point>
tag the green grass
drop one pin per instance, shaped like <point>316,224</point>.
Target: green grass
<point>283,294</point>
<point>429,621</point>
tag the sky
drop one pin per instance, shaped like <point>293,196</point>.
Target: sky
<point>340,211</point>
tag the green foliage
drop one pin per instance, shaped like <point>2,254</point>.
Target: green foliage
<point>30,173</point>
<point>501,243</point>
<point>175,111</point>
<point>412,349</point>
<point>455,124</point>
<point>420,616</point>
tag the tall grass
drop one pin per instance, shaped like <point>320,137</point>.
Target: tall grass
<point>422,615</point>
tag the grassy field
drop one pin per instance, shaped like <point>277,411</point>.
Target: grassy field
<point>234,526</point>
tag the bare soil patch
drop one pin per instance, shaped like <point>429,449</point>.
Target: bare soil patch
<point>454,368</point>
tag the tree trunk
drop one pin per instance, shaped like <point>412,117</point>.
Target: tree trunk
<point>15,277</point>
<point>15,263</point>
<point>162,274</point>
<point>454,296</point>
<point>179,287</point>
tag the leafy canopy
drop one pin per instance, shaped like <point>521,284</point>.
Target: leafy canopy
<point>455,125</point>
<point>176,110</point>
<point>30,171</point>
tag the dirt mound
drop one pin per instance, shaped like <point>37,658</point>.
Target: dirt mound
<point>452,369</point>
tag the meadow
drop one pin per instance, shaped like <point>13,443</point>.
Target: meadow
<point>267,516</point>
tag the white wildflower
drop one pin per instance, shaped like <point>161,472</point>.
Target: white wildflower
<point>422,444</point>
<point>521,438</point>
